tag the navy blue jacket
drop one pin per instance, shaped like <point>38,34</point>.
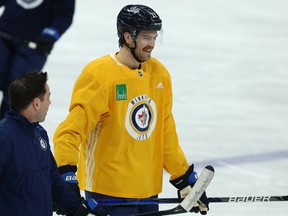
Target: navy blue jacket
<point>29,178</point>
<point>28,23</point>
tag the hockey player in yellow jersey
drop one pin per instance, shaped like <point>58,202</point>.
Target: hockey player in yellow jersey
<point>120,132</point>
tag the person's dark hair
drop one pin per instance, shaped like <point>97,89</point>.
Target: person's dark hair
<point>24,89</point>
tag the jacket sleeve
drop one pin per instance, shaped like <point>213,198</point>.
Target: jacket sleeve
<point>63,196</point>
<point>62,16</point>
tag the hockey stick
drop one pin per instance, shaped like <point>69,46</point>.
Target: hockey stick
<point>191,199</point>
<point>242,199</point>
<point>153,201</point>
<point>30,44</point>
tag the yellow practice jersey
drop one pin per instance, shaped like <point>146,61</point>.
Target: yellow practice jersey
<point>122,121</point>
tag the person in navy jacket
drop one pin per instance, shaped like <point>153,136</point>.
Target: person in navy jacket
<point>29,179</point>
<point>28,31</point>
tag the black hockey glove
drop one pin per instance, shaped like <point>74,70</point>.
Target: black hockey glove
<point>46,40</point>
<point>67,173</point>
<point>58,210</point>
<point>88,207</point>
<point>184,184</point>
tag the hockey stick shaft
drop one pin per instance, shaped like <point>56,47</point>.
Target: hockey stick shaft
<point>242,199</point>
<point>30,44</point>
<point>153,201</point>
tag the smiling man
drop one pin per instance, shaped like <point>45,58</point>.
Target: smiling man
<point>29,179</point>
<point>120,133</point>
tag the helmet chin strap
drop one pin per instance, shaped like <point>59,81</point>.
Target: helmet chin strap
<point>132,49</point>
<point>134,53</point>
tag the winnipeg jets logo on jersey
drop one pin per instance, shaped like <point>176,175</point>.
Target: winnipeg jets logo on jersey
<point>29,4</point>
<point>141,117</point>
<point>43,143</point>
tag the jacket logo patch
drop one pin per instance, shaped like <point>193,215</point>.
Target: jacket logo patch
<point>29,4</point>
<point>121,92</point>
<point>43,144</point>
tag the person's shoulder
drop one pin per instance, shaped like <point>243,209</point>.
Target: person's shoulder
<point>102,61</point>
<point>156,66</point>
<point>100,67</point>
<point>7,129</point>
<point>41,128</point>
<point>155,61</point>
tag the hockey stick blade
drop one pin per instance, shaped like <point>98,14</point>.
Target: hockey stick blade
<point>192,197</point>
<point>231,199</point>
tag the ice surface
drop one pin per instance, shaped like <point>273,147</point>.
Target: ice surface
<point>229,66</point>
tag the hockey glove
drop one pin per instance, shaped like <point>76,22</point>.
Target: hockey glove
<point>58,210</point>
<point>67,173</point>
<point>184,184</point>
<point>90,207</point>
<point>46,40</point>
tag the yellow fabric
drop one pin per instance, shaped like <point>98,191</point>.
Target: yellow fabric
<point>121,120</point>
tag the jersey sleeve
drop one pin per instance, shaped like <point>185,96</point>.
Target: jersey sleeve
<point>175,161</point>
<point>82,118</point>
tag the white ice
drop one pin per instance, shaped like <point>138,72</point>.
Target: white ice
<point>229,66</point>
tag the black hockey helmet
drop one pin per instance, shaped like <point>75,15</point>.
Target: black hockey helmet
<point>135,18</point>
